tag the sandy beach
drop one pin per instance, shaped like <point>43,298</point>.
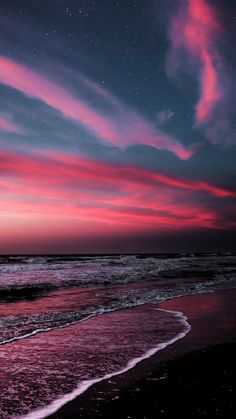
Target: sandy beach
<point>194,376</point>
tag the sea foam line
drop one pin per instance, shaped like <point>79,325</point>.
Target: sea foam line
<point>47,329</point>
<point>53,407</point>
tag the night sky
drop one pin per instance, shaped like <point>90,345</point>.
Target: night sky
<point>117,126</point>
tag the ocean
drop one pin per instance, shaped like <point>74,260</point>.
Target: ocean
<point>69,321</point>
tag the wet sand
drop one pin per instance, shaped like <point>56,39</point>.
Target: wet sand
<point>195,376</point>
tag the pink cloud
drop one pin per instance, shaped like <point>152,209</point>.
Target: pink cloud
<point>70,170</point>
<point>211,91</point>
<point>121,218</point>
<point>124,126</point>
<point>195,31</point>
<point>7,125</point>
<point>91,193</point>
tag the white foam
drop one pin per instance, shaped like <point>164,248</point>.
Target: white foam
<point>84,385</point>
<point>46,329</point>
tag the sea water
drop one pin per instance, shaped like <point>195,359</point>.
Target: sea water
<point>67,322</point>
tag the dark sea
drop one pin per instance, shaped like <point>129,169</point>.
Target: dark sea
<point>67,322</point>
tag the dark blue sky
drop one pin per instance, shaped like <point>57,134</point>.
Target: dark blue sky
<point>117,125</point>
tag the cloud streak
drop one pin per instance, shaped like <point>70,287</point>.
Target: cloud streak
<point>7,125</point>
<point>68,168</point>
<point>106,194</point>
<point>123,127</point>
<point>194,29</point>
<point>194,32</point>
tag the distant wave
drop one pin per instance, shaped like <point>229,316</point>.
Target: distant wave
<point>46,329</point>
<point>16,259</point>
<point>46,273</point>
<point>17,293</point>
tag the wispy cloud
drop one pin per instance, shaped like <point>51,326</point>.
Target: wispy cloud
<point>121,127</point>
<point>195,31</point>
<point>68,168</point>
<point>164,116</point>
<point>111,194</point>
<point>7,124</point>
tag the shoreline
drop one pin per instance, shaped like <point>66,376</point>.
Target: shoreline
<point>183,327</point>
<point>198,384</point>
<point>212,319</point>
